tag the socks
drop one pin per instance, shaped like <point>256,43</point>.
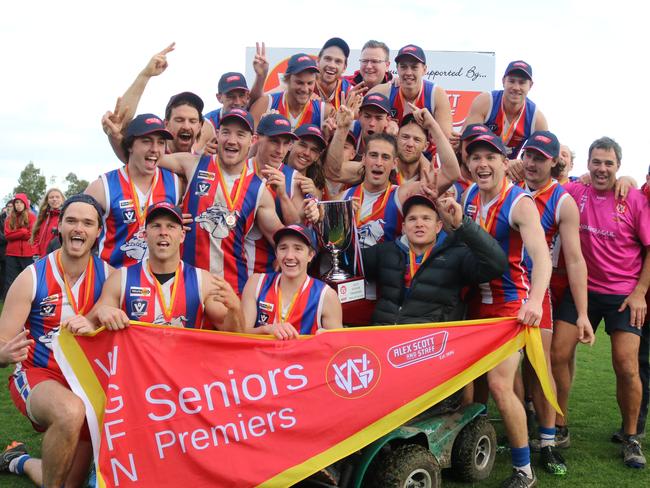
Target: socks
<point>547,436</point>
<point>17,466</point>
<point>521,460</point>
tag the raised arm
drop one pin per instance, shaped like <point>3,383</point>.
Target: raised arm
<point>97,191</point>
<point>276,180</point>
<point>478,112</point>
<point>259,108</point>
<point>540,121</point>
<point>267,218</point>
<point>182,164</point>
<point>261,68</point>
<point>336,169</point>
<point>442,111</point>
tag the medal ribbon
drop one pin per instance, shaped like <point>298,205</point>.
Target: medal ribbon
<point>539,193</point>
<point>508,132</point>
<point>418,102</point>
<point>166,309</point>
<point>141,215</point>
<point>376,208</point>
<point>237,187</point>
<point>294,299</point>
<point>414,265</point>
<point>88,283</point>
<point>493,210</point>
<point>302,118</point>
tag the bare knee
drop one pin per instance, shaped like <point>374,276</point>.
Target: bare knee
<point>627,369</point>
<point>69,415</point>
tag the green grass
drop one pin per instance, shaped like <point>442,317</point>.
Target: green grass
<point>593,460</point>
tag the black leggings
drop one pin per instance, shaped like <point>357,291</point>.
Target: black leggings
<point>14,265</point>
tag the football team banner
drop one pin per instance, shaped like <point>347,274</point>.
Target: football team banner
<point>169,406</point>
<point>463,74</point>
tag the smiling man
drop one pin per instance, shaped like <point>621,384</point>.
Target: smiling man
<point>373,66</point>
<point>54,292</point>
<point>332,61</point>
<point>509,113</point>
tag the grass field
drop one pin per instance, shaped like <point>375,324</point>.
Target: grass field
<point>593,460</point>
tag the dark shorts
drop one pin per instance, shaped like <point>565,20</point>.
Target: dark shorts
<point>599,307</point>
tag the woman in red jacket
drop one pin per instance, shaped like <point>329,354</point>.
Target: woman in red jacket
<point>18,232</point>
<point>46,227</point>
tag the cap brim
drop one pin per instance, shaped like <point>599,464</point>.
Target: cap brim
<point>486,142</point>
<point>539,150</point>
<point>417,200</point>
<point>373,104</point>
<point>163,210</point>
<point>229,89</point>
<point>286,231</point>
<point>308,68</point>
<point>417,58</point>
<point>282,133</point>
<point>237,117</point>
<point>519,71</point>
<point>164,132</point>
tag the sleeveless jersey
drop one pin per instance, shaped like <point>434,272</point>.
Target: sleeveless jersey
<point>523,125</point>
<point>260,254</point>
<point>122,242</point>
<point>140,300</point>
<point>312,113</point>
<point>304,314</point>
<point>51,305</point>
<point>514,284</point>
<point>384,221</point>
<point>214,118</point>
<point>424,100</point>
<point>343,86</point>
<point>212,243</point>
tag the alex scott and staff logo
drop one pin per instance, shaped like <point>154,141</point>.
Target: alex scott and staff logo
<point>417,350</point>
<point>353,372</point>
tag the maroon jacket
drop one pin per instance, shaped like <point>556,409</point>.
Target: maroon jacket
<point>18,239</point>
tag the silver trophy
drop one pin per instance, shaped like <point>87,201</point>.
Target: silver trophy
<point>335,234</point>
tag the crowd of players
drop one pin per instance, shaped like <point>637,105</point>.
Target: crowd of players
<point>209,223</point>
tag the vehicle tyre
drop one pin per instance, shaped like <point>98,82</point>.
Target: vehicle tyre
<point>472,456</point>
<point>408,466</point>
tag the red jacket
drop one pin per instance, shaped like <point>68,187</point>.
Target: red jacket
<point>18,239</point>
<point>47,231</point>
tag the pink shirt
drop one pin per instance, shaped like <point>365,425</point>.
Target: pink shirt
<point>613,235</point>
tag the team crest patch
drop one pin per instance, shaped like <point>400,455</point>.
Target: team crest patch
<point>266,306</point>
<point>140,291</point>
<point>471,210</point>
<point>126,203</point>
<point>621,208</point>
<point>205,175</point>
<point>393,113</point>
<point>128,216</point>
<point>48,310</point>
<point>50,299</point>
<point>139,308</point>
<point>202,189</point>
<point>263,318</point>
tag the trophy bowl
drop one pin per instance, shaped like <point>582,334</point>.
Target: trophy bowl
<point>335,234</point>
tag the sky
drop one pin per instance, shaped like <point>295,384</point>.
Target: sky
<point>64,63</point>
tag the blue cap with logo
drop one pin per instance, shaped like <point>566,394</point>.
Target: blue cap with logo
<point>543,142</point>
<point>241,114</point>
<point>376,100</point>
<point>310,130</point>
<point>232,81</point>
<point>490,139</point>
<point>164,208</point>
<point>413,51</point>
<point>275,125</point>
<point>520,66</point>
<point>145,124</point>
<point>301,62</point>
<point>305,233</point>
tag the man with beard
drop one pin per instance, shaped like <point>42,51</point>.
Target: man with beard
<point>54,292</point>
<point>126,193</point>
<point>373,66</point>
<point>509,113</point>
<point>296,102</point>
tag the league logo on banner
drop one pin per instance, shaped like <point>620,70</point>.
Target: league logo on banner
<point>171,407</point>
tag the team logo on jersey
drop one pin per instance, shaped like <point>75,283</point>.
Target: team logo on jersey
<point>493,127</point>
<point>205,175</point>
<point>393,113</point>
<point>202,189</point>
<point>139,307</point>
<point>266,306</point>
<point>621,208</point>
<point>47,338</point>
<point>128,216</point>
<point>263,318</point>
<point>48,310</point>
<point>50,299</point>
<point>136,247</point>
<point>126,203</point>
<point>217,220</point>
<point>180,321</point>
<point>471,210</point>
<point>140,291</point>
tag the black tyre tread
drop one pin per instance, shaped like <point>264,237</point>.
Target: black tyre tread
<point>462,454</point>
<point>388,470</point>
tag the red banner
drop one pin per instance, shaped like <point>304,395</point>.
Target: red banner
<point>169,406</point>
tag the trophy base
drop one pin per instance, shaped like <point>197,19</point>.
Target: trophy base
<point>348,290</point>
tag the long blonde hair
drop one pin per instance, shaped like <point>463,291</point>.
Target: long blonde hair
<point>43,210</point>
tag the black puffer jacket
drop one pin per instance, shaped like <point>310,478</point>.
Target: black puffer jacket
<point>465,257</point>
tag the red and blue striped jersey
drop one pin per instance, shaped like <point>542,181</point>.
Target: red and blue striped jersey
<point>383,221</point>
<point>313,112</point>
<point>524,124</point>
<point>548,201</point>
<point>304,313</point>
<point>214,118</point>
<point>514,284</point>
<point>260,254</point>
<point>398,104</point>
<point>343,86</point>
<point>213,243</point>
<point>140,301</point>
<point>51,305</point>
<point>122,241</point>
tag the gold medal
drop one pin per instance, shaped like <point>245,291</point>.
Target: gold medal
<point>231,220</point>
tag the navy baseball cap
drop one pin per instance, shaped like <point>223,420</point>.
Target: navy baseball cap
<point>351,135</point>
<point>232,81</point>
<point>490,139</point>
<point>305,233</point>
<point>301,62</point>
<point>84,198</point>
<point>544,142</point>
<point>275,125</point>
<point>473,130</point>
<point>413,51</point>
<point>337,42</point>
<point>241,114</point>
<point>145,124</point>
<point>166,208</point>
<point>522,67</point>
<point>310,130</point>
<point>184,98</point>
<point>417,199</point>
<point>377,100</point>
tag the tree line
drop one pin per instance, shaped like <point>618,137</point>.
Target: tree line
<point>32,183</point>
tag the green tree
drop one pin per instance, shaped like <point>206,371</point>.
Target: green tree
<point>32,183</point>
<point>75,185</point>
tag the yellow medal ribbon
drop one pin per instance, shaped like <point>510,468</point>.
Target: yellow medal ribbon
<point>284,316</point>
<point>224,189</point>
<point>375,211</point>
<point>492,212</point>
<point>511,128</point>
<point>90,274</point>
<point>413,265</point>
<point>141,214</point>
<point>166,309</point>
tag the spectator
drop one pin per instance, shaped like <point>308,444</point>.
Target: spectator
<point>3,245</point>
<point>18,230</point>
<point>46,226</point>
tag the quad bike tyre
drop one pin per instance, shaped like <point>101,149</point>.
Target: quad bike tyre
<point>472,456</point>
